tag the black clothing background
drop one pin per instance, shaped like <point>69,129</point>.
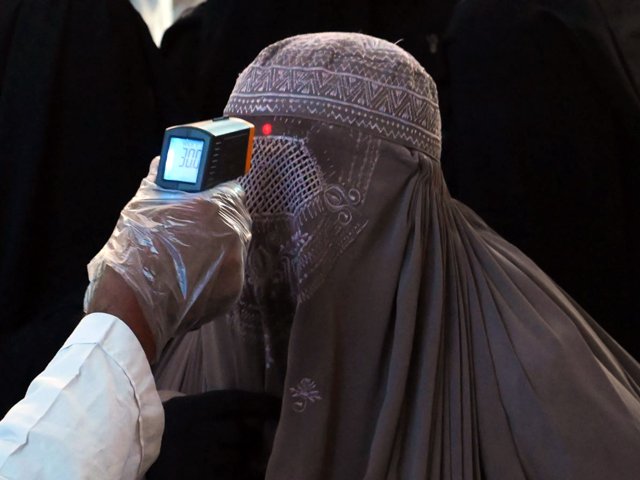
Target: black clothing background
<point>225,435</point>
<point>83,106</point>
<point>209,46</point>
<point>542,140</point>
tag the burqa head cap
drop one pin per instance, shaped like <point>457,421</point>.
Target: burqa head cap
<point>346,79</point>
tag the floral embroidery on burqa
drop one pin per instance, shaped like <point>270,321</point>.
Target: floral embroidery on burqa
<point>303,394</point>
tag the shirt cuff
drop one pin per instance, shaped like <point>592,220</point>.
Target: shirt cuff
<point>118,341</point>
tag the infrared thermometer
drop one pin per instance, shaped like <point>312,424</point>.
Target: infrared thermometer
<point>198,156</point>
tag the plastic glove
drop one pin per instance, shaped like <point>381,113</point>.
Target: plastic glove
<point>181,253</point>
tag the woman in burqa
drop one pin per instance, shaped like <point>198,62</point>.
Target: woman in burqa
<point>83,107</point>
<point>405,338</point>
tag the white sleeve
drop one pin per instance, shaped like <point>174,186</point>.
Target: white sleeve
<point>93,413</point>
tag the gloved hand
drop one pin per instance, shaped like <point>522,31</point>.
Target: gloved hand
<point>181,253</point>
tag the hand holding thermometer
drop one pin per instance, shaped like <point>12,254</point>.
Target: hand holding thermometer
<point>198,156</point>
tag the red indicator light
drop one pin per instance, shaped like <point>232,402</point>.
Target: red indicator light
<point>267,129</point>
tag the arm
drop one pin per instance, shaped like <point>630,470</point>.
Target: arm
<point>174,262</point>
<point>93,412</point>
<point>115,297</point>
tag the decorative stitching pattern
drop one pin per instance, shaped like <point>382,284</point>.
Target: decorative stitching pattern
<point>342,202</point>
<point>347,79</point>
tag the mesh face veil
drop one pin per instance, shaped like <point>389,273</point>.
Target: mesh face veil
<point>284,177</point>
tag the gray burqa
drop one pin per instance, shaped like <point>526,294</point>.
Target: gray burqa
<point>406,339</point>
